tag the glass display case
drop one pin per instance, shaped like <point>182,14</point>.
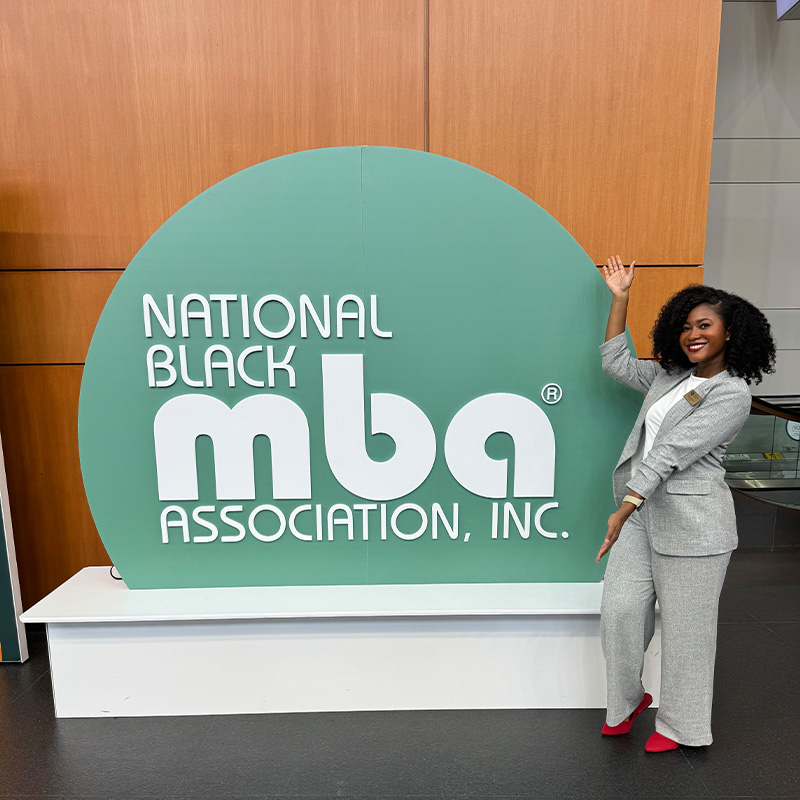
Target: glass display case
<point>766,450</point>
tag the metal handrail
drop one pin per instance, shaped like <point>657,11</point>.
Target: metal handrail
<point>755,496</point>
<point>776,411</point>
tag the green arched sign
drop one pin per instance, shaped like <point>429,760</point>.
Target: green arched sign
<point>347,366</point>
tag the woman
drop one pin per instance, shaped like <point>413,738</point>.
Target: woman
<point>671,538</point>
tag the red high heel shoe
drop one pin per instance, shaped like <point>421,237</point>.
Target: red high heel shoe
<point>660,744</point>
<point>625,726</point>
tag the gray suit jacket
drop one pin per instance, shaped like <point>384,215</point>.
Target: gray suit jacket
<point>689,508</point>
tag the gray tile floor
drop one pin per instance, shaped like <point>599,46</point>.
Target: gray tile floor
<point>452,754</point>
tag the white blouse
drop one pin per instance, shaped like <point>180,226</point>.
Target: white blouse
<point>655,416</point>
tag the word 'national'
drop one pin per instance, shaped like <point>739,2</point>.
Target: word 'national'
<point>272,316</point>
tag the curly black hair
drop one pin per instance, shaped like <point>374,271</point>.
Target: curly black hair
<point>751,349</point>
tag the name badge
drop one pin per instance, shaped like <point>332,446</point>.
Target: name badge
<point>693,397</point>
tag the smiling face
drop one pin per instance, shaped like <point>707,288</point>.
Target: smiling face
<point>704,339</point>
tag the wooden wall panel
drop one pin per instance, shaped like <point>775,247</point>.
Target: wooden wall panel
<point>54,532</point>
<point>49,317</point>
<point>115,114</point>
<point>652,287</point>
<point>602,112</point>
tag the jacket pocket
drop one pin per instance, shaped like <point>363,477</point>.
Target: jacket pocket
<point>689,486</point>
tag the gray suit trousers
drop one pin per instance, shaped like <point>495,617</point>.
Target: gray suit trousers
<point>687,589</point>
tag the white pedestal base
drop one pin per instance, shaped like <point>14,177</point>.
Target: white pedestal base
<point>280,657</point>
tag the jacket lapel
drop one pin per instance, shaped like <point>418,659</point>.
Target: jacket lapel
<point>666,383</point>
<point>660,387</point>
<point>680,410</point>
<point>683,407</point>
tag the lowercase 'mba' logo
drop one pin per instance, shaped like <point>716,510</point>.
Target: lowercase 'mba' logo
<point>353,365</point>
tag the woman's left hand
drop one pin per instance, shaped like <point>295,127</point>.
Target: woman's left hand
<point>615,523</point>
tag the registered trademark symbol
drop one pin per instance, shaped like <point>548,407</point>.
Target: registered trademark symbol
<point>551,393</point>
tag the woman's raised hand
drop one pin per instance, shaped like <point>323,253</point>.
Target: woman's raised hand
<point>617,278</point>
